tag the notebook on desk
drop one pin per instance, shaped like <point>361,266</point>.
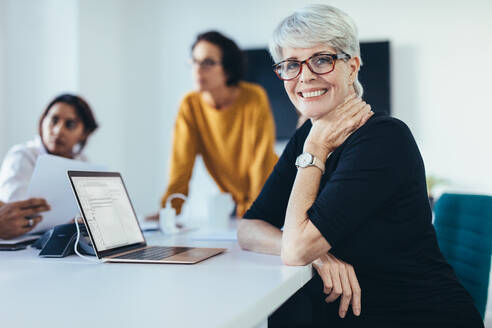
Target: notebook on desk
<point>113,226</point>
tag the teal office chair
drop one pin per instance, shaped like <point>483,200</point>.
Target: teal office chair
<point>464,231</point>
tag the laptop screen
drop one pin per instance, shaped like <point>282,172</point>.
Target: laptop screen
<point>108,211</point>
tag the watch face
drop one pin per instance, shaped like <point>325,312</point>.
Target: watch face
<point>304,159</point>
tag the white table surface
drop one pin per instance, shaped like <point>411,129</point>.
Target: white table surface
<point>235,289</point>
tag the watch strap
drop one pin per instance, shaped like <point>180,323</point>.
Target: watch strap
<point>318,163</point>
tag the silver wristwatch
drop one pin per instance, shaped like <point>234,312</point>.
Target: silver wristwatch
<point>307,159</point>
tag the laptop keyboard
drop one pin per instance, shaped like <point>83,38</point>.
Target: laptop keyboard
<point>153,253</point>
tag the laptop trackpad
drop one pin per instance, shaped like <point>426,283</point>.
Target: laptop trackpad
<point>194,255</point>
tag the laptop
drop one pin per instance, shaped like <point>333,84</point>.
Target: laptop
<point>113,225</point>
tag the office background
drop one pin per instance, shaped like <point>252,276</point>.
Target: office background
<point>129,59</point>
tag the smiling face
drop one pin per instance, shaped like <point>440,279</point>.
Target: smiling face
<point>315,95</point>
<point>61,130</point>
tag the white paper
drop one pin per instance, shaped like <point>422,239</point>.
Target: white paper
<point>50,181</point>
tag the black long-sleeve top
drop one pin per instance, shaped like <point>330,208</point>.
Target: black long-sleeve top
<point>373,209</point>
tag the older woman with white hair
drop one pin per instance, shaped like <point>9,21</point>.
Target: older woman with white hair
<point>349,196</point>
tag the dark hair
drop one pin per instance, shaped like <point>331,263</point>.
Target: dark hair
<point>233,60</point>
<point>83,110</point>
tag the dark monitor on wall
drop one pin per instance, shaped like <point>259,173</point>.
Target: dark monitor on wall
<point>374,76</point>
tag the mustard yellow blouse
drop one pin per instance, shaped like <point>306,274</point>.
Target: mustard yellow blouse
<point>236,144</point>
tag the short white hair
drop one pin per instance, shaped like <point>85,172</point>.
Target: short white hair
<point>314,25</point>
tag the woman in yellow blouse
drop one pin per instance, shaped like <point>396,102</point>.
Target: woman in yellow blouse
<point>227,121</point>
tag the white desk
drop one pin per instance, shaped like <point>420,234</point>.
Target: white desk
<point>235,289</point>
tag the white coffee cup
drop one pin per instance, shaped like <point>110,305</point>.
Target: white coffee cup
<point>167,220</point>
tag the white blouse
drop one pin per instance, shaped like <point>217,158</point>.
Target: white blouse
<point>17,168</point>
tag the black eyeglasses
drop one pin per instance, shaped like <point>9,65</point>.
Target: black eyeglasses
<point>318,64</point>
<point>205,64</point>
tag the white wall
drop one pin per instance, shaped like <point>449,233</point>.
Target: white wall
<point>39,61</point>
<point>121,74</point>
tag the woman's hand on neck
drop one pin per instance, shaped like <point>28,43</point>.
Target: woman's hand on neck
<point>221,98</point>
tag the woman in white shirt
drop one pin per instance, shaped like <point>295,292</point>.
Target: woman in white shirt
<point>64,127</point>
